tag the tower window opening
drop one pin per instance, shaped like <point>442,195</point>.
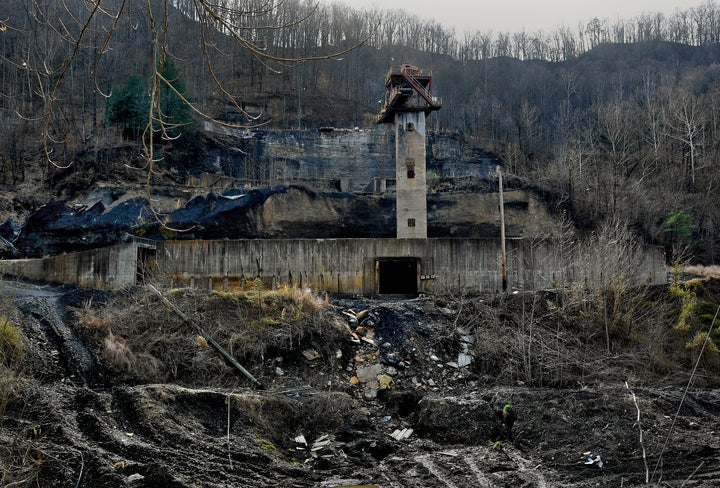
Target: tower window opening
<point>410,126</point>
<point>411,222</point>
<point>410,165</point>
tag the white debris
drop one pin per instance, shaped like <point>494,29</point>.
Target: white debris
<point>320,443</point>
<point>596,461</point>
<point>133,478</point>
<point>399,435</point>
<point>464,360</point>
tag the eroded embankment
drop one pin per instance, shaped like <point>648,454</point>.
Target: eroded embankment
<point>411,394</point>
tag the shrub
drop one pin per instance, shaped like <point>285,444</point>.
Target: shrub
<point>12,349</point>
<point>145,340</point>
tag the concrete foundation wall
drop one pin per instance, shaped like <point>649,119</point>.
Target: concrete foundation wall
<point>348,266</point>
<point>339,266</point>
<point>108,267</point>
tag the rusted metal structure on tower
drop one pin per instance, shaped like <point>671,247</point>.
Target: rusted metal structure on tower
<point>408,100</point>
<point>407,89</point>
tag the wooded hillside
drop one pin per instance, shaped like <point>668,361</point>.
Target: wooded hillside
<point>611,118</point>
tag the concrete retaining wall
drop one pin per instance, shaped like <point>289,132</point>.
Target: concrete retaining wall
<point>348,266</point>
<point>104,268</point>
<point>342,266</point>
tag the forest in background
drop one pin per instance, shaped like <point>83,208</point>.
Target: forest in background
<point>614,119</point>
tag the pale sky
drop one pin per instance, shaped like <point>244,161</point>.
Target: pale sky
<point>530,15</point>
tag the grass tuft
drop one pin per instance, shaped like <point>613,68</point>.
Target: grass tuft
<point>12,348</point>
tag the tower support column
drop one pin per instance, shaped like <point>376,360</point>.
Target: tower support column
<point>410,174</point>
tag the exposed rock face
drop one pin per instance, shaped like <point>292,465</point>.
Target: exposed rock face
<point>327,183</point>
<point>281,212</point>
<point>353,157</point>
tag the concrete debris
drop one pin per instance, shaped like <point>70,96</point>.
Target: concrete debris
<point>434,357</point>
<point>311,354</point>
<point>399,435</point>
<point>464,360</point>
<point>279,371</point>
<point>301,440</point>
<point>447,311</point>
<point>370,373</point>
<point>320,443</point>
<point>133,478</point>
<point>597,460</point>
<point>338,354</point>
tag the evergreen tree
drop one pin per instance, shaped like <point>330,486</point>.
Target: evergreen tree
<point>128,107</point>
<point>175,112</point>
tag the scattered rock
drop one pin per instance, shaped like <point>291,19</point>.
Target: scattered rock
<point>311,354</point>
<point>133,478</point>
<point>464,360</point>
<point>386,381</point>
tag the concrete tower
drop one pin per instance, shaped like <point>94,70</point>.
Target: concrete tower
<point>408,101</point>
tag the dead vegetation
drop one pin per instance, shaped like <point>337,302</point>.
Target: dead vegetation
<point>142,339</point>
<point>19,461</point>
<point>570,338</point>
<point>162,399</point>
<point>555,338</point>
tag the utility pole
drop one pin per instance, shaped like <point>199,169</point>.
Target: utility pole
<point>502,230</point>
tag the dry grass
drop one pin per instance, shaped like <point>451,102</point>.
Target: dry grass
<point>18,457</point>
<point>12,349</point>
<point>708,271</point>
<point>89,318</point>
<point>560,338</point>
<point>142,338</point>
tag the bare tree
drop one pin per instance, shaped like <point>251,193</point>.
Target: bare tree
<point>72,37</point>
<point>686,122</point>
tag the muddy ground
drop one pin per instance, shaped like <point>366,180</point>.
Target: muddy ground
<point>410,400</point>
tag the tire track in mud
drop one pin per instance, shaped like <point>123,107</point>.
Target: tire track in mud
<point>42,307</point>
<point>432,468</point>
<point>476,466</point>
<point>479,475</point>
<point>119,439</point>
<point>524,466</point>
